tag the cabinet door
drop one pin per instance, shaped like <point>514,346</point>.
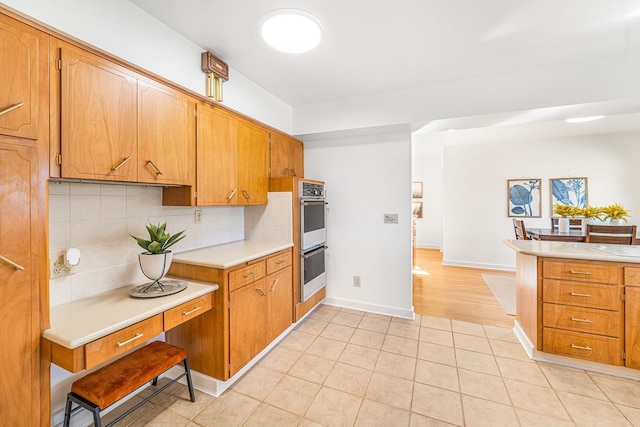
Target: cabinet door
<point>280,292</point>
<point>296,158</point>
<point>247,320</point>
<point>22,50</point>
<point>253,164</point>
<point>19,321</point>
<point>632,326</point>
<point>166,135</point>
<point>98,118</point>
<point>279,156</point>
<point>217,157</point>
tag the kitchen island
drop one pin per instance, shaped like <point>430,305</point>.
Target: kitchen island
<point>578,304</point>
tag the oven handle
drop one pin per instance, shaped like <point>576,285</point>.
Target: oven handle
<point>308,254</point>
<point>304,203</point>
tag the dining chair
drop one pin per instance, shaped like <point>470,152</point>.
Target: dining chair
<point>520,230</point>
<point>573,223</point>
<point>612,234</point>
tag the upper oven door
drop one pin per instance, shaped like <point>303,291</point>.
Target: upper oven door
<point>313,218</point>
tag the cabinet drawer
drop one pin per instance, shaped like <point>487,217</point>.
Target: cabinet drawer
<point>606,297</point>
<point>582,272</point>
<point>579,319</point>
<point>278,262</point>
<point>631,276</point>
<point>246,275</point>
<point>187,311</point>
<point>583,346</point>
<point>125,339</point>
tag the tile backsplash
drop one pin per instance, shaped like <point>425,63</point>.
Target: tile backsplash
<point>98,218</point>
<point>272,221</point>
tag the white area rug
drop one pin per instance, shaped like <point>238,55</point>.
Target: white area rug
<point>504,289</point>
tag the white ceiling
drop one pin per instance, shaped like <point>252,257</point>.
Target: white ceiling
<point>373,47</point>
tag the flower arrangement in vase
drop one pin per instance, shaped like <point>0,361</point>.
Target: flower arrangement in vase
<point>565,212</point>
<point>614,213</point>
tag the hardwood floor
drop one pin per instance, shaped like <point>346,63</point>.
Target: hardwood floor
<point>457,293</point>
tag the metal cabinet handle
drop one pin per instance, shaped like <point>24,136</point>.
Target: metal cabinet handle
<point>11,263</point>
<point>11,108</point>
<point>275,283</point>
<point>293,172</point>
<point>576,294</point>
<point>576,319</point>
<point>586,273</point>
<point>158,171</point>
<point>119,165</point>
<point>135,337</point>
<point>282,261</point>
<point>246,276</point>
<point>261,292</point>
<point>233,193</point>
<point>285,172</point>
<point>246,195</point>
<point>579,347</point>
<point>196,308</point>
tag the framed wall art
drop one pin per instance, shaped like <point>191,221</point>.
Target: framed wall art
<point>416,190</point>
<point>523,197</point>
<point>416,209</point>
<point>569,191</point>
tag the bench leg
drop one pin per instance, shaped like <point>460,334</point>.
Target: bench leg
<point>67,413</point>
<point>82,403</point>
<point>187,372</point>
<point>154,382</point>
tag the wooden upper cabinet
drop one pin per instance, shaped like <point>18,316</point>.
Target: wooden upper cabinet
<point>217,133</point>
<point>166,135</point>
<point>98,118</point>
<point>286,156</point>
<point>253,164</point>
<point>23,73</point>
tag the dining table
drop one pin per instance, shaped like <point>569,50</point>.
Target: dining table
<point>573,235</point>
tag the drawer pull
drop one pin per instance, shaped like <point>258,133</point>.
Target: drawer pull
<point>11,108</point>
<point>246,276</point>
<point>275,283</point>
<point>586,273</point>
<point>246,195</point>
<point>233,193</point>
<point>261,292</point>
<point>158,171</point>
<point>135,337</point>
<point>580,347</point>
<point>119,165</point>
<point>575,319</point>
<point>193,310</point>
<point>576,294</point>
<point>282,261</point>
<point>11,263</point>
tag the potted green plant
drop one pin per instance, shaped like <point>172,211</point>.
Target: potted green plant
<point>156,260</point>
<point>615,213</point>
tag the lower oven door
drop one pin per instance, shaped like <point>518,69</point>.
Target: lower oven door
<point>313,275</point>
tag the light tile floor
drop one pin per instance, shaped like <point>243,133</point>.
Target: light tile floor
<point>343,367</point>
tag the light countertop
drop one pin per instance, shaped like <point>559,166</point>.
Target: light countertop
<point>230,254</point>
<point>79,322</point>
<point>575,250</point>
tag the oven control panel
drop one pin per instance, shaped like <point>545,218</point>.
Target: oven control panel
<point>311,190</point>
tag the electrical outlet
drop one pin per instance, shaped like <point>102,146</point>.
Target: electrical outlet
<point>198,216</point>
<point>390,218</point>
<point>356,281</point>
<point>59,269</point>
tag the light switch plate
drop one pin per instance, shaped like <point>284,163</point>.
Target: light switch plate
<point>390,218</point>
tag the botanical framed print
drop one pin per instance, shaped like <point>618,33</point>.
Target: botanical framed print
<point>416,190</point>
<point>569,191</point>
<point>523,197</point>
<point>416,209</point>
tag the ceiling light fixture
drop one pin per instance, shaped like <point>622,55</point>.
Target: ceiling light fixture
<point>291,30</point>
<point>583,119</point>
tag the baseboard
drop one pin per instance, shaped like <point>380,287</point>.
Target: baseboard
<point>371,308</point>
<point>502,267</point>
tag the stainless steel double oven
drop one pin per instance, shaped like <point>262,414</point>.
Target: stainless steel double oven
<point>313,238</point>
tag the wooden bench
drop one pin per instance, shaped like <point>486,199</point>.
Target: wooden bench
<point>107,385</point>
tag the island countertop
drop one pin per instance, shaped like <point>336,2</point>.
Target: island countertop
<point>230,254</point>
<point>575,250</point>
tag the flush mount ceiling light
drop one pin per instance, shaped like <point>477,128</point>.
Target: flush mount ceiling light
<point>583,119</point>
<point>291,30</point>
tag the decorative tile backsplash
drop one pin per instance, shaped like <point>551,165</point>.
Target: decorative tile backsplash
<point>98,218</point>
<point>272,221</point>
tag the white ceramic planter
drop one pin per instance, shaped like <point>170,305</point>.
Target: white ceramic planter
<point>155,266</point>
<point>563,225</point>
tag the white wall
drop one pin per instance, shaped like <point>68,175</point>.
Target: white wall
<point>365,178</point>
<point>124,30</point>
<point>427,155</point>
<point>475,221</point>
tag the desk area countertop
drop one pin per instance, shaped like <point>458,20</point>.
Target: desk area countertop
<point>230,254</point>
<point>79,322</point>
<point>575,250</point>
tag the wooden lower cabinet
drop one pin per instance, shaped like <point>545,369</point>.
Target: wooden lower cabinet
<point>252,307</point>
<point>632,317</point>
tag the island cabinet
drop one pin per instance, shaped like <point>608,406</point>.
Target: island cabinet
<point>116,125</point>
<point>632,316</point>
<point>254,305</point>
<point>232,162</point>
<point>582,310</point>
<point>287,156</point>
<point>23,55</point>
